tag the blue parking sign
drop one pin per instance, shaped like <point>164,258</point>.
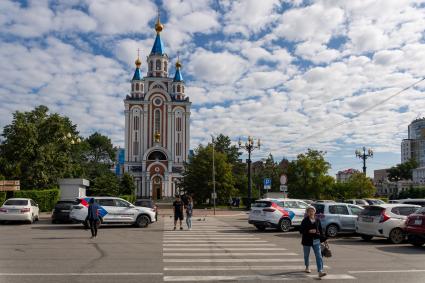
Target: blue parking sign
<point>267,182</point>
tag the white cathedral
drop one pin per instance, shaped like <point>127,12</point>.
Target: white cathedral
<point>157,129</point>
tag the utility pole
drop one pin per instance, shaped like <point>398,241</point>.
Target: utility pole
<point>213,170</point>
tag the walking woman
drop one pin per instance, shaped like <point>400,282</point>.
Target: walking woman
<point>312,235</point>
<point>189,211</point>
<point>93,217</point>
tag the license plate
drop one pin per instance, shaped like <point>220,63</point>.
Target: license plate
<point>418,221</point>
<point>256,212</point>
<point>13,210</point>
<point>367,219</point>
<point>65,210</point>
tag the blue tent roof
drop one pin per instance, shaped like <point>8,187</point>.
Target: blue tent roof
<point>158,47</point>
<point>178,76</point>
<point>137,75</point>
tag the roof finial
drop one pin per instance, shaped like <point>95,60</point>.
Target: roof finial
<point>138,62</point>
<point>158,26</point>
<point>178,64</point>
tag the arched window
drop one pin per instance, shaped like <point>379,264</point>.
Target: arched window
<point>151,66</point>
<point>157,121</point>
<point>165,66</point>
<point>141,87</point>
<point>183,88</point>
<point>136,123</point>
<point>158,64</point>
<point>137,87</point>
<point>157,155</point>
<point>132,87</point>
<point>174,88</point>
<point>178,88</point>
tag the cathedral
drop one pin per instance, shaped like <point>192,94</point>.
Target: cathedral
<point>157,129</point>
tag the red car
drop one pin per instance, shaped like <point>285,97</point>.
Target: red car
<point>415,228</point>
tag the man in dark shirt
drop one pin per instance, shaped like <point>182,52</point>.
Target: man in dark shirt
<point>93,217</point>
<point>178,211</point>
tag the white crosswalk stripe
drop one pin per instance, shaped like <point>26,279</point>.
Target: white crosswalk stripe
<point>223,252</point>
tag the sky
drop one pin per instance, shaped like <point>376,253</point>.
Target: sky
<point>294,73</point>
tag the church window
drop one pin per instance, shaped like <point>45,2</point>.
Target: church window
<point>151,65</point>
<point>182,88</point>
<point>132,87</point>
<point>157,121</point>
<point>137,87</point>
<point>158,64</point>
<point>136,148</point>
<point>165,66</point>
<point>136,123</point>
<point>141,87</point>
<point>178,88</point>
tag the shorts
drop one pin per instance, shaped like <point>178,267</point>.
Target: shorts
<point>178,216</point>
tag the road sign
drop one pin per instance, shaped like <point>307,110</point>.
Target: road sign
<point>213,195</point>
<point>283,179</point>
<point>283,188</point>
<point>267,183</point>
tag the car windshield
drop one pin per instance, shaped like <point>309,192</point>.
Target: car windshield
<point>421,210</point>
<point>18,202</point>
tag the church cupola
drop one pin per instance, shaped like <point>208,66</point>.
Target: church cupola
<point>137,87</point>
<point>178,83</point>
<point>158,59</point>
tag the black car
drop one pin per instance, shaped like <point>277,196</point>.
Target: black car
<point>148,203</point>
<point>61,211</point>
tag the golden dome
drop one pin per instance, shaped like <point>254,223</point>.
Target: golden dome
<point>138,62</point>
<point>178,64</point>
<point>158,26</point>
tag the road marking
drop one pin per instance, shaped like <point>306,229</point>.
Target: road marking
<point>232,260</point>
<point>85,274</point>
<point>227,254</point>
<point>293,276</point>
<point>217,241</point>
<point>220,245</point>
<point>209,238</point>
<point>333,276</point>
<point>236,267</point>
<point>225,248</point>
<point>386,271</point>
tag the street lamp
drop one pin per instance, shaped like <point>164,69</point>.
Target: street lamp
<point>249,146</point>
<point>364,155</point>
<point>213,170</point>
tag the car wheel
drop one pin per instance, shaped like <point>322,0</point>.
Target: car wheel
<point>142,221</point>
<point>332,231</point>
<point>366,237</point>
<point>284,225</point>
<point>260,227</point>
<point>397,236</point>
<point>416,241</point>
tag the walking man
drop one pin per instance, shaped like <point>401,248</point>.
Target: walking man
<point>178,211</point>
<point>93,217</point>
<point>189,212</point>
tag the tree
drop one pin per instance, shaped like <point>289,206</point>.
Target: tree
<point>224,145</point>
<point>307,175</point>
<point>106,184</point>
<point>197,178</point>
<point>38,148</point>
<point>127,186</point>
<point>402,171</point>
<point>268,169</point>
<point>360,186</point>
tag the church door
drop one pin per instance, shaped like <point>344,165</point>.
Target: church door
<point>157,188</point>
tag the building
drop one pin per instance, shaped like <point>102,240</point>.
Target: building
<point>383,186</point>
<point>418,176</point>
<point>157,129</point>
<point>414,146</point>
<point>343,176</point>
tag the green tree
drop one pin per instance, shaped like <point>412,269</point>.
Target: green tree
<point>402,171</point>
<point>198,175</point>
<point>268,169</point>
<point>307,175</point>
<point>127,186</point>
<point>36,148</point>
<point>360,186</point>
<point>106,184</point>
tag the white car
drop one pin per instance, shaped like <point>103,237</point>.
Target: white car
<point>384,220</point>
<point>277,213</point>
<point>19,209</point>
<point>113,211</point>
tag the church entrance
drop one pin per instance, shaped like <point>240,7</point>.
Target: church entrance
<point>157,188</point>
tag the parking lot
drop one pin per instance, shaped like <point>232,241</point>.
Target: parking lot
<point>224,248</point>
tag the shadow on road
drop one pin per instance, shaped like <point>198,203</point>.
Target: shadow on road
<point>403,249</point>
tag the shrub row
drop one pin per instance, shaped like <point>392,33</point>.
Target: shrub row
<point>46,199</point>
<point>129,198</point>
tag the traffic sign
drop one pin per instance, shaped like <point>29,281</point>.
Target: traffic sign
<point>213,195</point>
<point>283,188</point>
<point>283,179</point>
<point>267,183</point>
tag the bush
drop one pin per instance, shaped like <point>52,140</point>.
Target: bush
<point>129,198</point>
<point>2,197</point>
<point>46,199</point>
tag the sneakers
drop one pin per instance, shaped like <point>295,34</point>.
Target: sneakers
<point>307,270</point>
<point>322,274</point>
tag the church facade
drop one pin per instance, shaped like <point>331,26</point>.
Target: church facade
<point>157,128</point>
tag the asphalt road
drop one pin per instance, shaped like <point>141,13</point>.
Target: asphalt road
<point>219,249</point>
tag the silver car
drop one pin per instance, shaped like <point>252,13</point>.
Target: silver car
<point>337,217</point>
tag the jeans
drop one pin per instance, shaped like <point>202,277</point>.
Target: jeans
<point>93,227</point>
<point>189,221</point>
<point>317,253</point>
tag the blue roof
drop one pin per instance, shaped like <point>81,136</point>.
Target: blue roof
<point>137,75</point>
<point>178,76</point>
<point>158,47</point>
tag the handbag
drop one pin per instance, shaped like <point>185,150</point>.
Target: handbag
<point>326,251</point>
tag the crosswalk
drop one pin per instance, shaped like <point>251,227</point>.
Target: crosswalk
<point>214,251</point>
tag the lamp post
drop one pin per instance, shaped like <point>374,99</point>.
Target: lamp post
<point>364,155</point>
<point>213,170</point>
<point>249,146</point>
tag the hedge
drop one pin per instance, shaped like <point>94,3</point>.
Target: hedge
<point>129,198</point>
<point>46,199</point>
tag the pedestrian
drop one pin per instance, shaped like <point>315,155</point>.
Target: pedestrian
<point>189,212</point>
<point>178,211</point>
<point>93,217</point>
<point>312,236</point>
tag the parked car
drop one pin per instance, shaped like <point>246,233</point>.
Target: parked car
<point>337,217</point>
<point>113,211</point>
<point>148,203</point>
<point>417,201</point>
<point>62,210</point>
<point>372,201</point>
<point>394,201</point>
<point>415,228</point>
<point>323,200</point>
<point>360,202</point>
<point>308,201</point>
<point>277,213</point>
<point>19,209</point>
<point>384,220</point>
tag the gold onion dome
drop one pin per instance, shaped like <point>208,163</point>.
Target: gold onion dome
<point>138,62</point>
<point>158,26</point>
<point>178,64</point>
